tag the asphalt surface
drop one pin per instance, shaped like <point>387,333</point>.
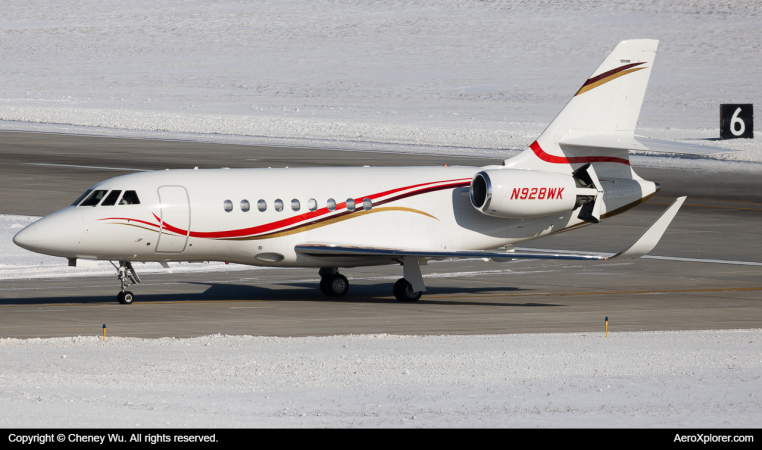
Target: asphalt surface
<point>39,174</point>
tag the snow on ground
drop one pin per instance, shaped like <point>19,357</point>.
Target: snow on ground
<point>18,263</point>
<point>478,78</point>
<point>641,379</point>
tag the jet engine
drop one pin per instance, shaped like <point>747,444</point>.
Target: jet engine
<point>516,193</point>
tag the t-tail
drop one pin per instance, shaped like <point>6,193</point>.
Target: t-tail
<point>597,126</point>
<point>607,105</point>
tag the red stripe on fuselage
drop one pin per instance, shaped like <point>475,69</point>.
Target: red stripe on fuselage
<point>312,216</point>
<point>575,159</point>
<point>382,202</point>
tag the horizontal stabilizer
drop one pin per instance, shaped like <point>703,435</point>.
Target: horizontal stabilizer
<point>638,143</point>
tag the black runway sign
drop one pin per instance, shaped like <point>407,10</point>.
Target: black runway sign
<point>737,121</point>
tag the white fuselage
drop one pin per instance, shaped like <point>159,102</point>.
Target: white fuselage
<point>182,215</point>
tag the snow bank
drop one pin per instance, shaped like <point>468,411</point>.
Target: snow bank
<point>477,78</point>
<point>642,379</point>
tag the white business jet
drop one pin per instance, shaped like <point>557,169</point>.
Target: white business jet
<point>576,173</point>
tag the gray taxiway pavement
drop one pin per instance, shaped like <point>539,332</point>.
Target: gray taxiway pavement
<point>40,173</point>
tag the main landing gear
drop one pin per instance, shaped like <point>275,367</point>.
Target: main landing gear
<point>411,287</point>
<point>407,289</point>
<point>332,283</point>
<point>404,292</point>
<point>127,276</point>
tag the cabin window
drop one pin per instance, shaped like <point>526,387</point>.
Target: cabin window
<point>228,205</point>
<point>111,198</point>
<point>94,198</point>
<point>129,198</point>
<point>262,205</point>
<point>81,197</point>
<point>245,206</point>
<point>295,205</point>
<point>278,203</point>
<point>312,204</point>
<point>350,204</point>
<point>331,204</point>
<point>367,204</point>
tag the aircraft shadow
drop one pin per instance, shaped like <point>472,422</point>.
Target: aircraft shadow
<point>295,292</point>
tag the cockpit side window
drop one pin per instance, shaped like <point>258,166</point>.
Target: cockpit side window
<point>130,198</point>
<point>111,198</point>
<point>81,197</point>
<point>94,198</point>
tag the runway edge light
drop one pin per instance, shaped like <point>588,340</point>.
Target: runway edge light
<point>607,327</point>
<point>104,331</point>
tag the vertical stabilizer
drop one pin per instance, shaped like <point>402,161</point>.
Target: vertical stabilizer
<point>608,103</point>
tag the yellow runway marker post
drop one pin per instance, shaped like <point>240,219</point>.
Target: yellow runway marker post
<point>104,331</point>
<point>607,327</point>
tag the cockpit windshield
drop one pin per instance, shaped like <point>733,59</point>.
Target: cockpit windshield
<point>81,197</point>
<point>130,198</point>
<point>94,198</point>
<point>111,198</point>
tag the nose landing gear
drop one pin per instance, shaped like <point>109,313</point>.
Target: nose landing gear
<point>125,297</point>
<point>127,276</point>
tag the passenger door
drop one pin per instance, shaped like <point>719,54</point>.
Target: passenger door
<point>175,219</point>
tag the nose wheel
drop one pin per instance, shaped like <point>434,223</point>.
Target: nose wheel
<point>127,276</point>
<point>125,297</point>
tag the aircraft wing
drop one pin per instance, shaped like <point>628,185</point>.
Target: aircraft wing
<point>323,250</point>
<point>641,246</point>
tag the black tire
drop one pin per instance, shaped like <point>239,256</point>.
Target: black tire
<point>338,285</point>
<point>120,298</point>
<point>324,288</point>
<point>127,297</point>
<point>403,291</point>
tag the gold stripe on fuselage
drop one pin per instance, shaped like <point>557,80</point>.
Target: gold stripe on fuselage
<point>314,226</point>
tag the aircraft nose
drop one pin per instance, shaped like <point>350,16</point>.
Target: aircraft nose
<point>58,234</point>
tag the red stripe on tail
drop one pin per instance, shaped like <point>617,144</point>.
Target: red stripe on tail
<point>575,159</point>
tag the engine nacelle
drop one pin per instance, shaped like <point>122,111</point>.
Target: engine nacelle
<point>516,193</point>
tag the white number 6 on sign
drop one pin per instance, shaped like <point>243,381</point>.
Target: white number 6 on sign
<point>735,120</point>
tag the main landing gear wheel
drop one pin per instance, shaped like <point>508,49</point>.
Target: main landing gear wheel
<point>125,297</point>
<point>403,290</point>
<point>335,285</point>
